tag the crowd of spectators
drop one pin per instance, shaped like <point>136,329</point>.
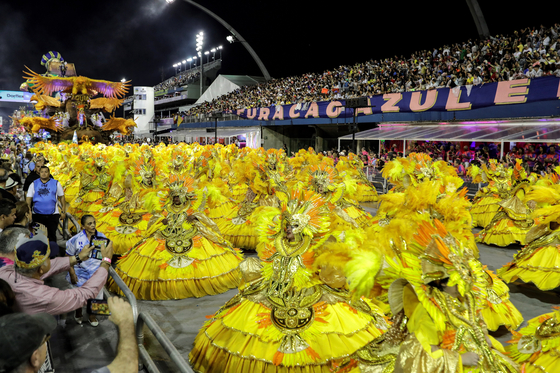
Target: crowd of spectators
<point>178,80</point>
<point>535,158</point>
<point>529,53</point>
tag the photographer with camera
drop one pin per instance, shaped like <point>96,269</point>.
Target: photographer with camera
<point>88,239</point>
<point>33,265</point>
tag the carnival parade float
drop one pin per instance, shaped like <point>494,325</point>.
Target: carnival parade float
<point>67,104</point>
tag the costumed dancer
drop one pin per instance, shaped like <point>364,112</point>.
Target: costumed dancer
<point>95,181</point>
<point>537,346</point>
<point>355,167</point>
<point>239,225</point>
<point>346,215</point>
<point>184,254</point>
<point>486,201</point>
<point>436,197</point>
<point>435,288</point>
<point>288,316</point>
<point>539,261</point>
<point>512,222</point>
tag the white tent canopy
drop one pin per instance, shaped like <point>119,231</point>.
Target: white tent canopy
<point>224,84</point>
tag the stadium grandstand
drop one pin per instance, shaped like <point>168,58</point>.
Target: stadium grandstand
<point>527,55</point>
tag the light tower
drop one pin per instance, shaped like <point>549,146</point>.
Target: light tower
<point>199,45</point>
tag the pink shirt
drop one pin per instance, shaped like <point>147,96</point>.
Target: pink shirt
<point>33,296</point>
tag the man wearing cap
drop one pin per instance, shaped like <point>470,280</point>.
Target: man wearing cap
<point>9,190</point>
<point>42,198</point>
<point>23,341</point>
<point>33,265</point>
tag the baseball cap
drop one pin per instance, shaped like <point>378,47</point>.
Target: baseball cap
<point>20,335</point>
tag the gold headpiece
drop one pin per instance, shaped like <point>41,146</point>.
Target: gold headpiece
<point>445,257</point>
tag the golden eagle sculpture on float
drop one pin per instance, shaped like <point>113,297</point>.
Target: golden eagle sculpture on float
<point>47,85</point>
<point>74,114</point>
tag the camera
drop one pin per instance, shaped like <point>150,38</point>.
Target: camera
<point>98,307</point>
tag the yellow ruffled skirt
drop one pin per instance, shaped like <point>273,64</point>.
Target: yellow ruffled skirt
<point>536,355</point>
<point>483,210</point>
<point>237,229</point>
<point>243,338</point>
<point>146,270</point>
<point>498,310</point>
<point>124,236</point>
<point>503,233</point>
<point>89,203</point>
<point>366,193</point>
<point>542,267</point>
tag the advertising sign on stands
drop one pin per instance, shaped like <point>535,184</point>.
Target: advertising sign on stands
<point>513,92</point>
<point>15,96</point>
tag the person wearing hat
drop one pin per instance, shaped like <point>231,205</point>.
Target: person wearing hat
<point>4,182</point>
<point>23,341</point>
<point>9,191</point>
<point>33,265</point>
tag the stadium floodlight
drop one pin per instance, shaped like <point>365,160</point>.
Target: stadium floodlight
<point>169,1</point>
<point>236,36</point>
<point>175,65</point>
<point>185,62</point>
<point>213,50</point>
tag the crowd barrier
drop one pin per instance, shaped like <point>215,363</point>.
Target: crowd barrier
<point>383,186</point>
<point>140,319</point>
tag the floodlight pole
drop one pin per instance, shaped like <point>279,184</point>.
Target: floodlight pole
<point>237,36</point>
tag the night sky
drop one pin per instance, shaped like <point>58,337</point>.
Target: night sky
<point>134,39</point>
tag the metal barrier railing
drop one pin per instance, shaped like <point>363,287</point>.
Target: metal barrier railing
<point>374,176</point>
<point>175,356</point>
<point>139,320</point>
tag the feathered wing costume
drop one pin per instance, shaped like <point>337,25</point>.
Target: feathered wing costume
<point>286,317</point>
<point>184,254</point>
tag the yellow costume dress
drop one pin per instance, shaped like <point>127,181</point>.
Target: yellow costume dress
<point>486,201</point>
<point>287,318</point>
<point>184,254</point>
<point>366,191</point>
<point>128,214</point>
<point>537,346</point>
<point>511,223</point>
<point>345,214</point>
<point>443,324</point>
<point>237,223</point>
<point>539,261</point>
<point>400,216</point>
<point>95,181</point>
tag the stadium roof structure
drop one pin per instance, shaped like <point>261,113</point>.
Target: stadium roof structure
<point>224,84</point>
<point>535,130</point>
